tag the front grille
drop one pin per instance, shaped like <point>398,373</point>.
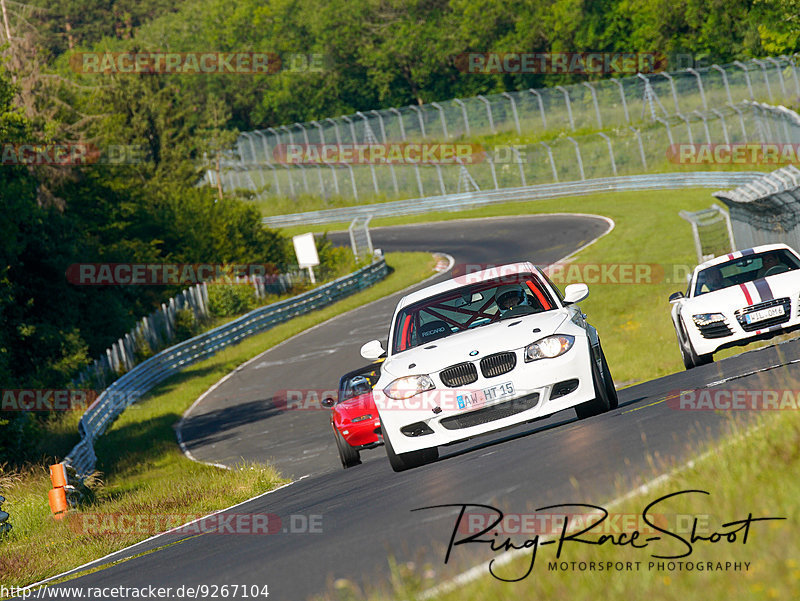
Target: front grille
<point>459,375</point>
<point>490,414</point>
<point>766,323</point>
<point>717,329</point>
<point>498,364</point>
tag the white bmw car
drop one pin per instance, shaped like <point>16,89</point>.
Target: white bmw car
<point>735,299</point>
<point>483,352</point>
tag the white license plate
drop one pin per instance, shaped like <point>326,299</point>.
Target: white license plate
<point>764,314</point>
<point>477,398</point>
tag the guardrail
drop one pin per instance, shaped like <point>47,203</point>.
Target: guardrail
<point>4,525</point>
<point>142,378</point>
<point>459,202</point>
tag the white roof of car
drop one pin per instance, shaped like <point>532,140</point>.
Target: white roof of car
<point>469,278</point>
<point>740,253</point>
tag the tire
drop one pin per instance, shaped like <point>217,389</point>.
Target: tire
<point>601,402</point>
<point>405,461</point>
<point>690,358</point>
<point>347,454</point>
<point>608,381</point>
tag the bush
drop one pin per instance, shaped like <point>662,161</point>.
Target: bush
<point>226,300</point>
<point>186,325</point>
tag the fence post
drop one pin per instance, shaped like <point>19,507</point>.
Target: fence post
<point>780,75</point>
<point>552,161</point>
<point>541,107</point>
<point>488,112</point>
<point>460,103</point>
<point>611,151</point>
<point>569,106</point>
<point>724,126</point>
<point>513,111</point>
<point>790,61</point>
<point>699,86</point>
<point>744,68</point>
<point>417,110</point>
<point>438,107</point>
<point>494,171</point>
<point>622,96</point>
<point>766,78</point>
<point>705,125</point>
<point>519,163</point>
<point>738,111</point>
<point>724,81</point>
<point>674,92</point>
<point>641,148</point>
<point>578,156</point>
<point>669,130</point>
<point>400,121</point>
<point>594,101</point>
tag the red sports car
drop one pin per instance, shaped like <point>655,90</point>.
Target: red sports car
<point>354,418</point>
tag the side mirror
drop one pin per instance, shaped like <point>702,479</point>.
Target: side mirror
<point>328,402</point>
<point>575,293</point>
<point>675,296</point>
<point>372,350</point>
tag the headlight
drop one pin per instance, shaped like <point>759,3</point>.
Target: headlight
<point>405,388</point>
<point>704,319</point>
<point>549,347</point>
<point>360,418</point>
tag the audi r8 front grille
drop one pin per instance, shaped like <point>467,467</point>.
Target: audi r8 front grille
<point>717,329</point>
<point>490,414</point>
<point>459,375</point>
<point>498,364</point>
<point>765,323</point>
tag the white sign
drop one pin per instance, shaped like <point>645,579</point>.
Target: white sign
<point>306,252</point>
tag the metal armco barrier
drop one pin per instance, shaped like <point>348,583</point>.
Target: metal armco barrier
<point>4,525</point>
<point>469,200</point>
<point>766,209</point>
<point>141,379</point>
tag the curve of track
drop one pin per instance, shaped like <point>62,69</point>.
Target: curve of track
<point>365,511</point>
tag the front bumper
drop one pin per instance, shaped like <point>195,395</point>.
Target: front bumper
<point>735,331</point>
<point>440,416</point>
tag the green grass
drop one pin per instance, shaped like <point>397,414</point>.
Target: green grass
<point>143,470</point>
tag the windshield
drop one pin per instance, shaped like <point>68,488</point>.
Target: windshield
<point>469,307</point>
<point>357,383</point>
<point>745,269</point>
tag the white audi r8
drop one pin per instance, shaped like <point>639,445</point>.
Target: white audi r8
<point>735,299</point>
<point>483,352</point>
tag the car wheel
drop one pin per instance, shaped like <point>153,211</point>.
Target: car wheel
<point>347,454</point>
<point>601,402</point>
<point>690,358</point>
<point>405,461</point>
<point>608,382</point>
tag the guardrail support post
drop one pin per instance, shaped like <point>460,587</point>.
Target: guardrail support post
<point>4,525</point>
